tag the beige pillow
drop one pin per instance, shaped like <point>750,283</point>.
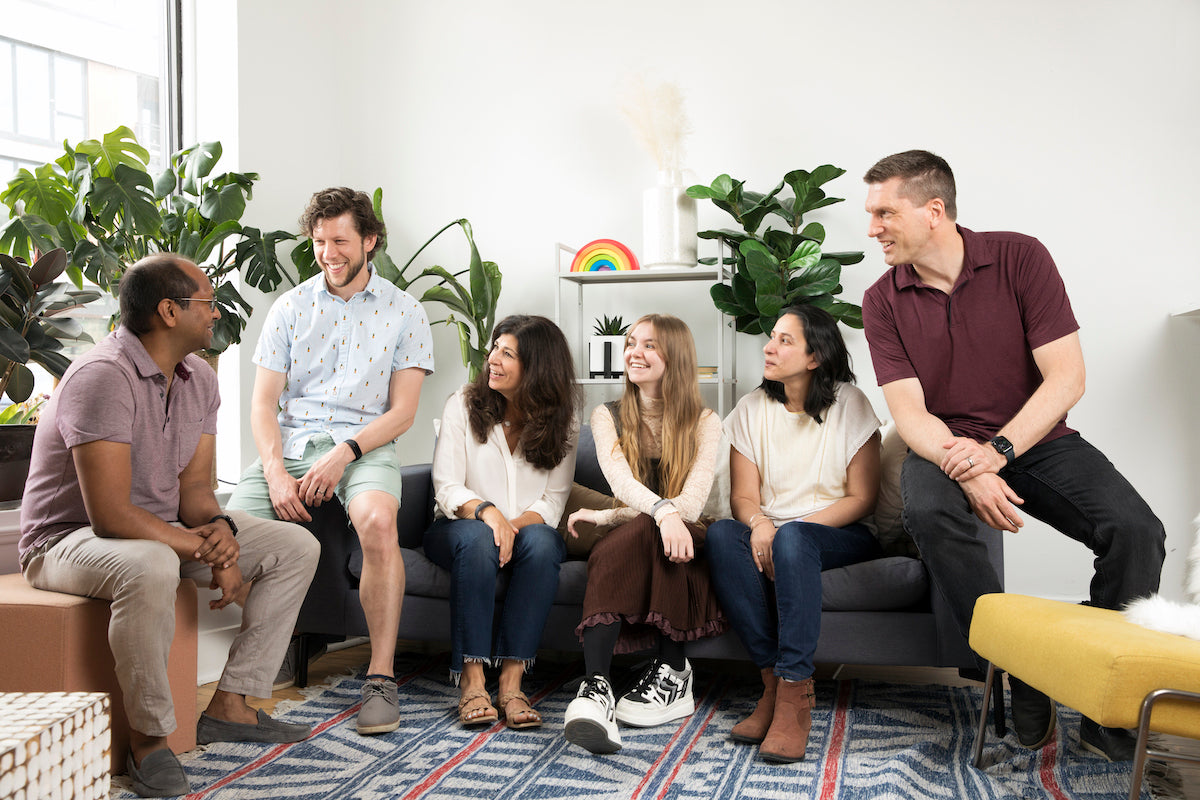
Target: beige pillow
<point>889,508</point>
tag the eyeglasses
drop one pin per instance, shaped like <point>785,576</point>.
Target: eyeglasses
<point>212,301</point>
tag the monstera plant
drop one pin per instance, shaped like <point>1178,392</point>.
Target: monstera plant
<point>100,203</point>
<point>777,267</point>
<point>470,307</point>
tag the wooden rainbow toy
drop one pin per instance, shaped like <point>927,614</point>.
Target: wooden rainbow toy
<point>604,255</point>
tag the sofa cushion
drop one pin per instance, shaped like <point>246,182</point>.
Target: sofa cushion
<point>889,507</point>
<point>880,585</point>
<point>884,584</point>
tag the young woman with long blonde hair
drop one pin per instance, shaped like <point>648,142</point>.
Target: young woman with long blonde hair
<point>658,447</point>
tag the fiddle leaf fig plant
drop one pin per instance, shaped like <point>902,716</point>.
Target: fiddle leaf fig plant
<point>474,302</point>
<point>778,267</point>
<point>101,204</point>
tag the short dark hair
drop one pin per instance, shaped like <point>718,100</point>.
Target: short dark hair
<point>924,176</point>
<point>549,396</point>
<point>826,345</point>
<point>147,283</point>
<point>338,200</point>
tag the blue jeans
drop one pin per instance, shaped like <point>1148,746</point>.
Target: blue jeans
<point>779,623</point>
<point>467,550</point>
<point>1066,483</point>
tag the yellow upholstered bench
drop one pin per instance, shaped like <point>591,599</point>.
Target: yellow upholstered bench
<point>1094,661</point>
<point>54,642</point>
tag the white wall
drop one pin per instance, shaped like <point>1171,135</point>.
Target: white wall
<point>1071,121</point>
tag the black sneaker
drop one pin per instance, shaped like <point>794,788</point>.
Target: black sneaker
<point>660,696</point>
<point>1033,714</point>
<point>1115,744</point>
<point>590,721</point>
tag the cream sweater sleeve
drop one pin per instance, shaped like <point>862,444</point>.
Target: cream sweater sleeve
<point>635,495</point>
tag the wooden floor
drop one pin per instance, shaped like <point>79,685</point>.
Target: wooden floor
<point>343,661</point>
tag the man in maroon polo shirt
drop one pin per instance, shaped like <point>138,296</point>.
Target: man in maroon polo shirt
<point>119,504</point>
<point>977,350</point>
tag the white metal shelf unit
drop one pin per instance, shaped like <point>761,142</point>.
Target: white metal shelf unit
<point>726,357</point>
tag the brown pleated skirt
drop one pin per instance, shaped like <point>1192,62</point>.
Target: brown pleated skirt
<point>631,581</point>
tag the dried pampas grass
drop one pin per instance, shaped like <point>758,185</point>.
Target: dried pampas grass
<point>658,119</point>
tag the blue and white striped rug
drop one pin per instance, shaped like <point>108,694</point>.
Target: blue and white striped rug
<point>869,740</point>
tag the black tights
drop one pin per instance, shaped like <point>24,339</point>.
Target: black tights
<point>599,641</point>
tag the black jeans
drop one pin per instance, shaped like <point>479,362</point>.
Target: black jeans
<point>1066,483</point>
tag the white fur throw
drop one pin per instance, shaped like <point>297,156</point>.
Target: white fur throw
<point>1160,614</point>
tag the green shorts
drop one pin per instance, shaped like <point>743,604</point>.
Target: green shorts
<point>377,470</point>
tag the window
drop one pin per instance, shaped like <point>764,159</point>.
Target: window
<point>72,71</point>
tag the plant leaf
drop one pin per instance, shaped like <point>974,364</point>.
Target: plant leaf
<point>194,164</point>
<point>118,148</point>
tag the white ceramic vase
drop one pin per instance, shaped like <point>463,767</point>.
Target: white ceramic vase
<point>668,224</point>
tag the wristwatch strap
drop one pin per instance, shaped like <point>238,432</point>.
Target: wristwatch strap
<point>354,446</point>
<point>484,506</point>
<point>228,521</point>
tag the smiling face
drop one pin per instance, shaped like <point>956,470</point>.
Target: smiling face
<point>198,317</point>
<point>903,230</point>
<point>342,253</point>
<point>504,366</point>
<point>645,364</point>
<point>786,353</point>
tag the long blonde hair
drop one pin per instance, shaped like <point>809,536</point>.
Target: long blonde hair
<point>682,407</point>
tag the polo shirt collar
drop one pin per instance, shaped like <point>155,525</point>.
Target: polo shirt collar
<point>372,287</point>
<point>146,366</point>
<point>976,254</point>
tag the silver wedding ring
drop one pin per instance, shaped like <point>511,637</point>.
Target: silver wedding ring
<point>969,461</point>
<point>758,552</point>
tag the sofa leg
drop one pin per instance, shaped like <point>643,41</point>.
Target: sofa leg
<point>303,645</point>
<point>981,733</point>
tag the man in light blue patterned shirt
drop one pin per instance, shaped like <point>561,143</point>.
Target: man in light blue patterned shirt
<point>341,359</point>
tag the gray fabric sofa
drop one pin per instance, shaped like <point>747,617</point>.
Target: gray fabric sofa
<point>881,612</point>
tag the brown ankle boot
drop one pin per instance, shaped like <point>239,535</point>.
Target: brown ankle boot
<point>787,737</point>
<point>753,728</point>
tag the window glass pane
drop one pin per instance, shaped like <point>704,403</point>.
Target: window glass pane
<point>6,87</point>
<point>33,89</point>
<point>68,86</point>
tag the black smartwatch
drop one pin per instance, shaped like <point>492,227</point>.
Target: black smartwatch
<point>1004,447</point>
<point>484,506</point>
<point>354,448</point>
<point>228,522</point>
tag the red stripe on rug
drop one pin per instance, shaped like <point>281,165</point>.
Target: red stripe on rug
<point>691,746</point>
<point>435,777</point>
<point>1049,757</point>
<point>837,742</point>
<point>275,752</point>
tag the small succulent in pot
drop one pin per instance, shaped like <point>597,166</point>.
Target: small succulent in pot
<point>610,326</point>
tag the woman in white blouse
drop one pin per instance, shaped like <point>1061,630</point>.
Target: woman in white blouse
<point>804,472</point>
<point>502,470</point>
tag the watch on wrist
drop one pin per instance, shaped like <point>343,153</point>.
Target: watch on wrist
<point>484,506</point>
<point>1005,448</point>
<point>228,521</point>
<point>353,445</point>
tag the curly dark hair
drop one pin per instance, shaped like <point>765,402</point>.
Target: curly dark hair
<point>825,343</point>
<point>549,395</point>
<point>333,202</point>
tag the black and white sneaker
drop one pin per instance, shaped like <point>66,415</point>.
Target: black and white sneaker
<point>660,696</point>
<point>590,720</point>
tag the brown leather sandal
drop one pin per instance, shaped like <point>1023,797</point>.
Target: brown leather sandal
<point>531,717</point>
<point>476,709</point>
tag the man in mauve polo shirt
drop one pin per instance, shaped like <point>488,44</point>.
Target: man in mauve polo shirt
<point>119,504</point>
<point>977,350</point>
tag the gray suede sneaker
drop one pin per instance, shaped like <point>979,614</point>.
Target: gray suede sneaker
<point>380,712</point>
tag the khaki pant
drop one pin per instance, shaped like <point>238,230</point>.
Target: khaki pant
<point>140,578</point>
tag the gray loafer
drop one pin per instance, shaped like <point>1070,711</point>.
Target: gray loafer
<point>210,729</point>
<point>161,775</point>
<point>380,712</point>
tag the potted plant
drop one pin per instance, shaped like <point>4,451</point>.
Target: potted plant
<point>777,267</point>
<point>475,306</point>
<point>100,203</point>
<point>606,348</point>
<point>32,328</point>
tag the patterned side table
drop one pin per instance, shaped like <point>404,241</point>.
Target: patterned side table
<point>54,745</point>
